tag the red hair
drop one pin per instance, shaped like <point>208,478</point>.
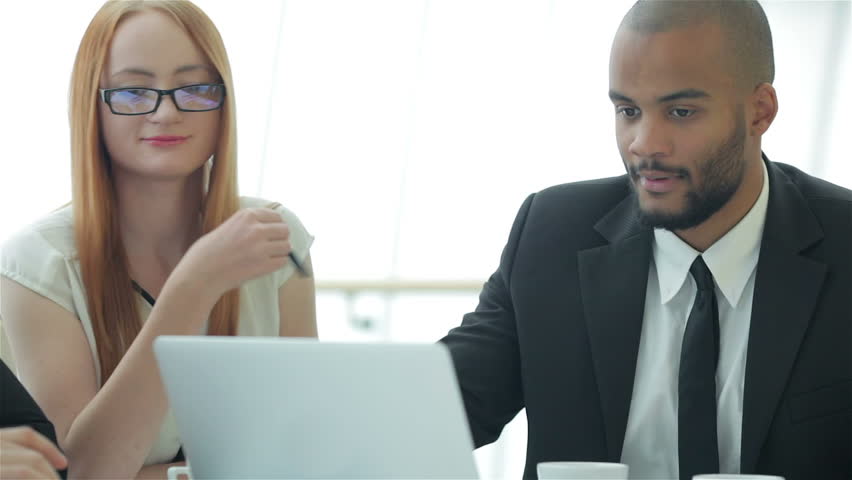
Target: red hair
<point>103,261</point>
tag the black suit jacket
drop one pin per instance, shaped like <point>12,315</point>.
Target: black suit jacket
<point>557,328</point>
<point>17,407</point>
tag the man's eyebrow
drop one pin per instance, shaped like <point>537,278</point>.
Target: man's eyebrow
<point>680,94</point>
<point>147,73</point>
<point>619,97</point>
<point>686,93</point>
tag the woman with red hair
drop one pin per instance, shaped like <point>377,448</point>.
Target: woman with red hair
<point>156,240</point>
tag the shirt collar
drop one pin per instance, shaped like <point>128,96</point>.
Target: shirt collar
<point>731,259</point>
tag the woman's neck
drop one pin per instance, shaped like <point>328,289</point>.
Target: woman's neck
<point>159,219</point>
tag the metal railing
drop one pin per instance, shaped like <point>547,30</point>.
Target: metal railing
<point>387,290</point>
<point>394,286</point>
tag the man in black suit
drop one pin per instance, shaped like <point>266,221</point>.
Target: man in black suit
<point>695,315</point>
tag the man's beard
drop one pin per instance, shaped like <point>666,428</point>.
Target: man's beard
<point>721,173</point>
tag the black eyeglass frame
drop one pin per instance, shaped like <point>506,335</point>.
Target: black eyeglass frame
<point>106,96</point>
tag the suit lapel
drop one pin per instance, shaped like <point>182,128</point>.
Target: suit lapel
<point>613,278</point>
<point>786,290</point>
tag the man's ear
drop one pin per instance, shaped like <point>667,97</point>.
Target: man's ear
<point>764,107</point>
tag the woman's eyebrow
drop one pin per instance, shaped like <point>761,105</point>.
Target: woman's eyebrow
<point>191,68</point>
<point>134,71</point>
<point>148,73</point>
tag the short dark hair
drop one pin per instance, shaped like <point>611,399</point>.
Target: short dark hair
<point>743,23</point>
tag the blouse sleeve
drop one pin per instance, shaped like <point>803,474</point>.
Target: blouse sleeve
<point>29,259</point>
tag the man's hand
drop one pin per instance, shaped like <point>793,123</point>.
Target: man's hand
<point>26,454</point>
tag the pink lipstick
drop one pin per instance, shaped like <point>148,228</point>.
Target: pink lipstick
<point>165,140</point>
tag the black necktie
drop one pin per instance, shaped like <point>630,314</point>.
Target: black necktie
<point>698,450</point>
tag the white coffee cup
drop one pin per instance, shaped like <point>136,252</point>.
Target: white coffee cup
<point>581,470</point>
<point>734,476</point>
<point>176,470</point>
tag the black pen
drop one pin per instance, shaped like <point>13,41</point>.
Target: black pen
<point>299,267</point>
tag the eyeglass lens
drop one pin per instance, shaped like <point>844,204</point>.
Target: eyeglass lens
<point>192,98</point>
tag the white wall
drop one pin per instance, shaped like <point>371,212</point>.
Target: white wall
<point>406,133</point>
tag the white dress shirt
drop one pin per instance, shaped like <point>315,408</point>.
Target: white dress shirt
<point>650,441</point>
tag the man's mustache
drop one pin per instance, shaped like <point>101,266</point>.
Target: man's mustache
<point>656,166</point>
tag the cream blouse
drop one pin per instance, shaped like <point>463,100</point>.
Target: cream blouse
<point>43,258</point>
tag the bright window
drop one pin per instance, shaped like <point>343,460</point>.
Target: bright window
<point>406,133</point>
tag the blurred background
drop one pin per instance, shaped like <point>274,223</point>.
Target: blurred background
<point>406,133</point>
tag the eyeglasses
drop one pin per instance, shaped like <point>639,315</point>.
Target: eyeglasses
<point>201,97</point>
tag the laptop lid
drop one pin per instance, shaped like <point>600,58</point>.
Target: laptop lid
<point>250,407</point>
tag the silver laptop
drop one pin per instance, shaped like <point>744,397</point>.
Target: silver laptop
<point>249,407</point>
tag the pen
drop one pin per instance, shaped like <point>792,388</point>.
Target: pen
<point>299,267</point>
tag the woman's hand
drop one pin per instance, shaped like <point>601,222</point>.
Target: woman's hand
<point>253,242</point>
